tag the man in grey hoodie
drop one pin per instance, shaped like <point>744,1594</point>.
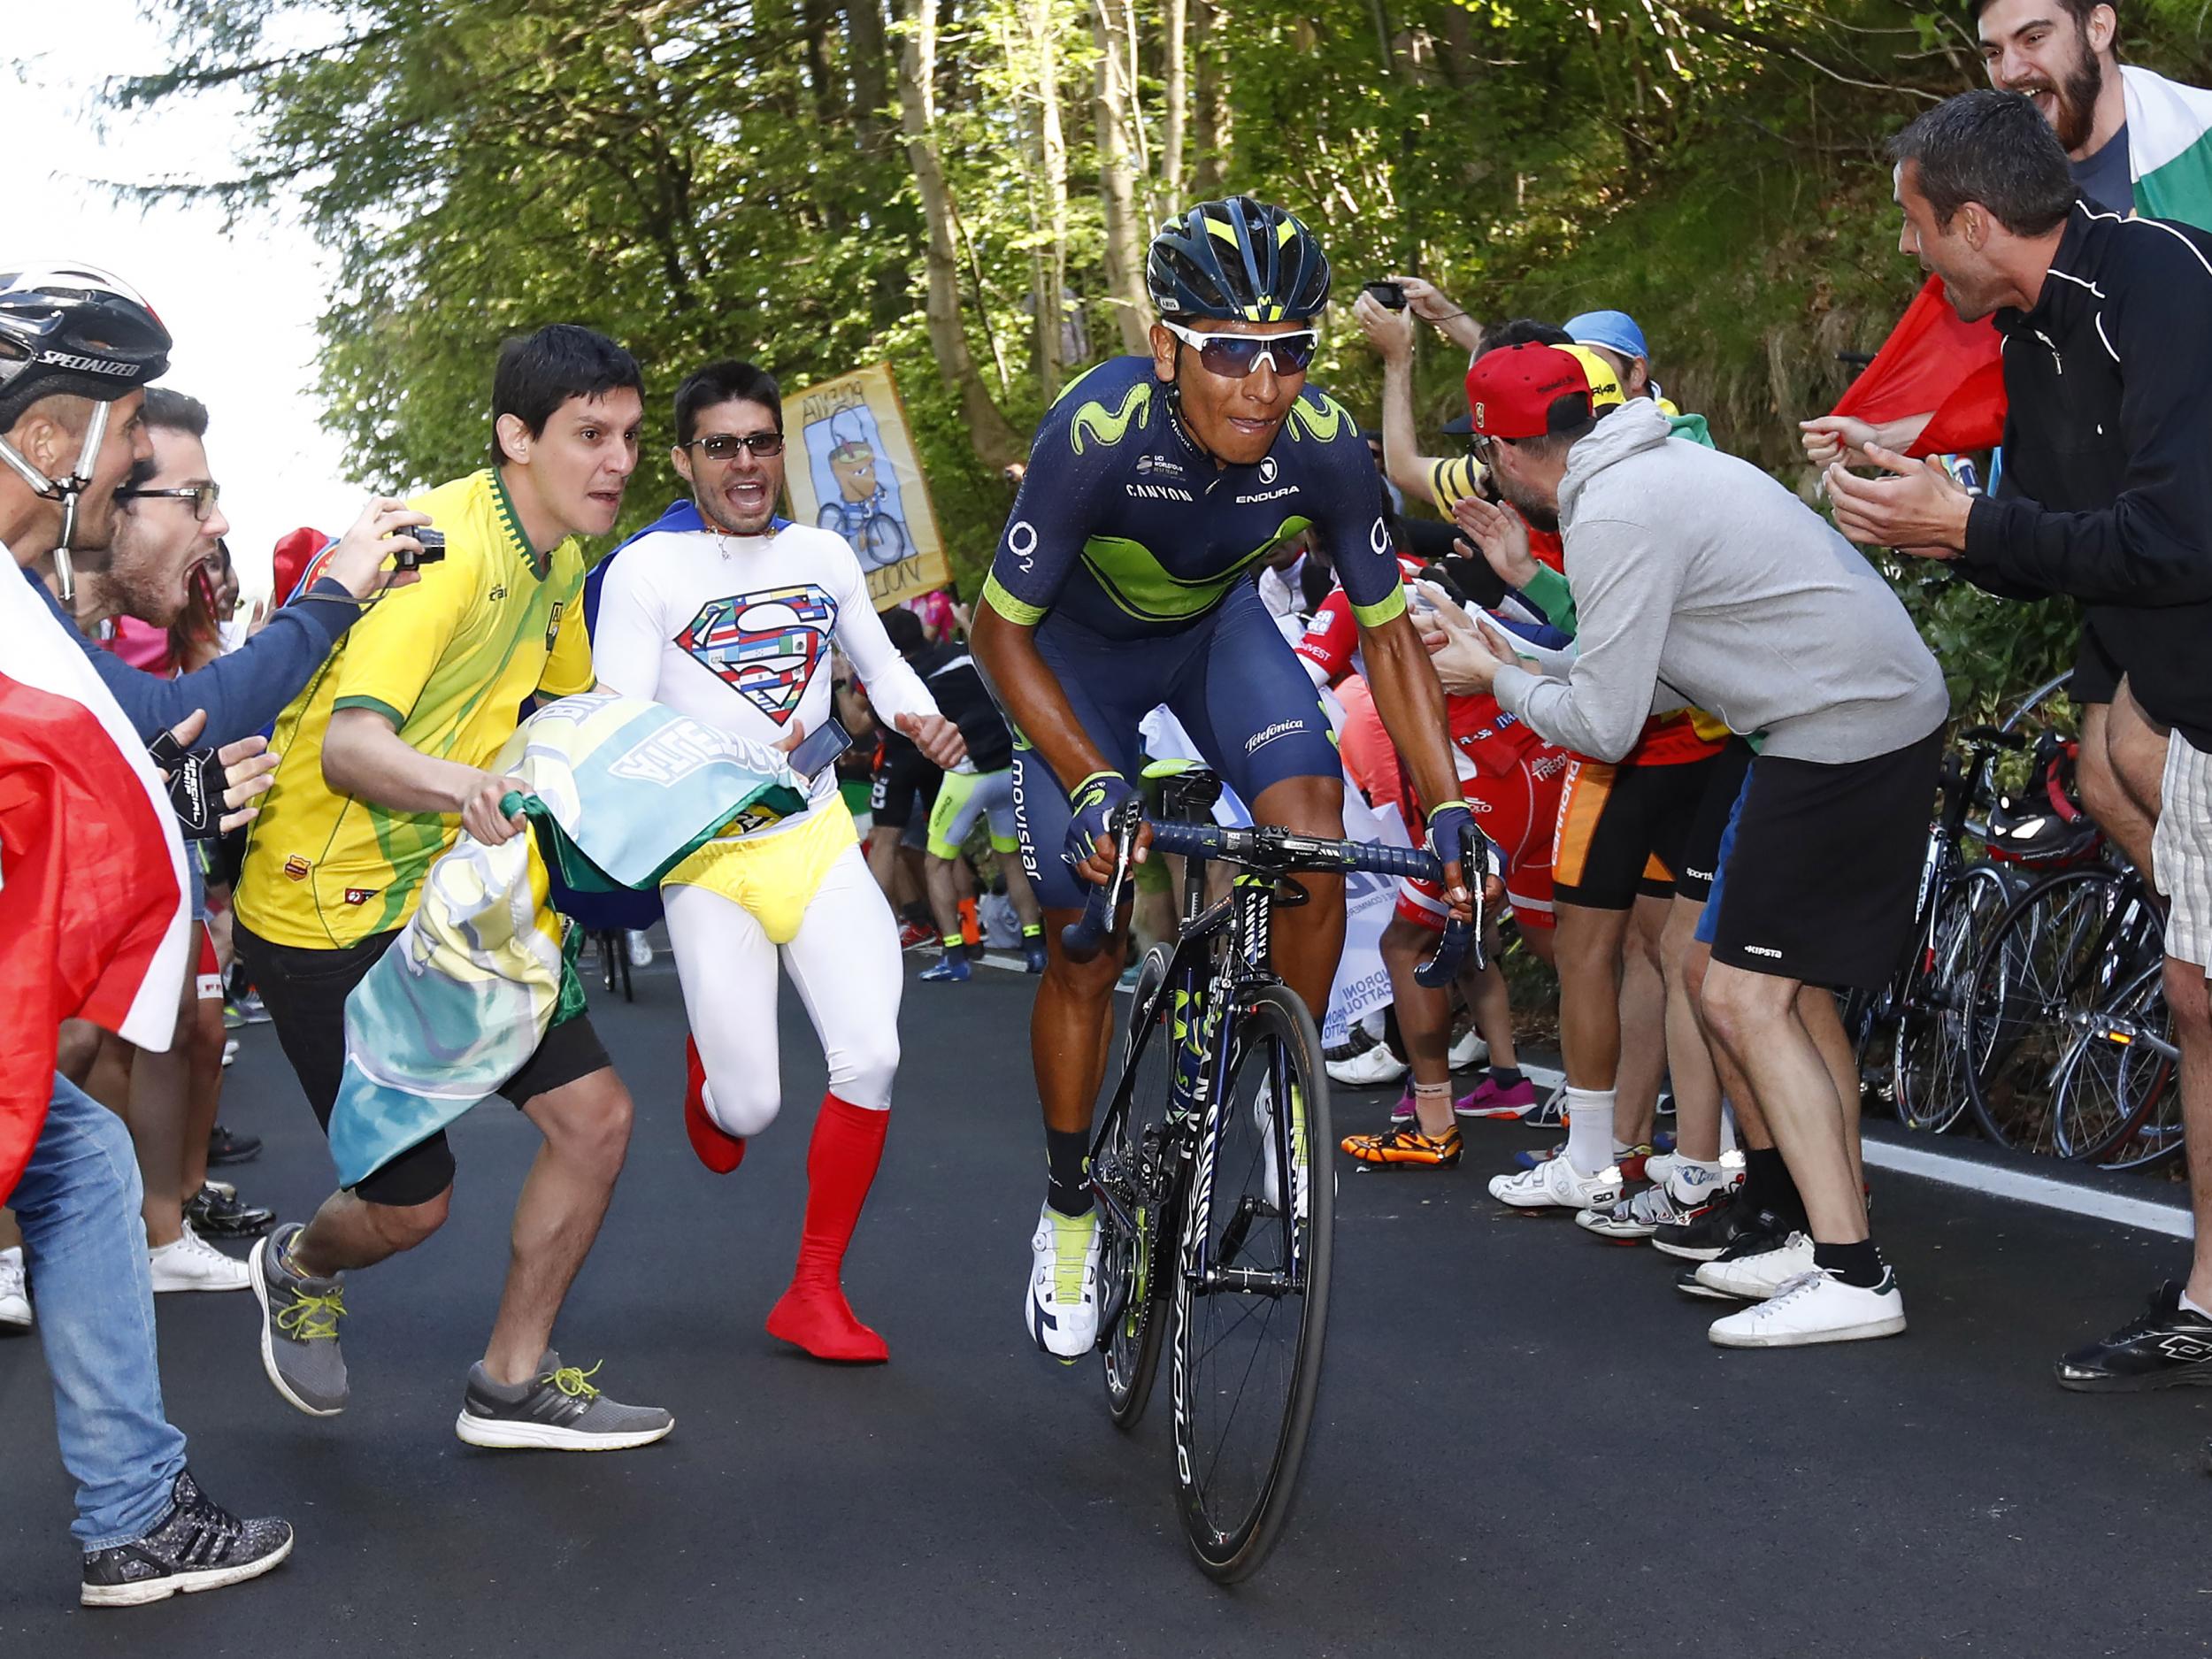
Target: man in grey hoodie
<point>1699,580</point>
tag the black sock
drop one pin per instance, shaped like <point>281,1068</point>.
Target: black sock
<point>1506,1076</point>
<point>1033,930</point>
<point>1068,1188</point>
<point>1767,1186</point>
<point>1859,1264</point>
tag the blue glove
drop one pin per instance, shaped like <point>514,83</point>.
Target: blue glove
<point>1090,804</point>
<point>1451,830</point>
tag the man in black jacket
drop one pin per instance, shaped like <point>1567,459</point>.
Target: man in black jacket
<point>2106,498</point>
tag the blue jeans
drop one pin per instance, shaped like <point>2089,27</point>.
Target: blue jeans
<point>78,1203</point>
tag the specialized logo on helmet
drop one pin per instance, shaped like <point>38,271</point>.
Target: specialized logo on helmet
<point>765,646</point>
<point>1106,426</point>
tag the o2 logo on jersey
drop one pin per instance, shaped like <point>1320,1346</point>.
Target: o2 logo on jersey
<point>1021,541</point>
<point>765,646</point>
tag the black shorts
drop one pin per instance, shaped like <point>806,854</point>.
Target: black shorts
<point>1623,831</point>
<point>305,994</point>
<point>2096,676</point>
<point>1827,864</point>
<point>1700,848</point>
<point>906,778</point>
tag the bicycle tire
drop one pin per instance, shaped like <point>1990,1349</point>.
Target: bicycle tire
<point>1234,1518</point>
<point>1131,1289</point>
<point>1929,1057</point>
<point>2129,1054</point>
<point>2039,975</point>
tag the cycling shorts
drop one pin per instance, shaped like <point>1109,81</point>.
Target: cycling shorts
<point>1517,812</point>
<point>903,777</point>
<point>1695,876</point>
<point>963,797</point>
<point>1622,830</point>
<point>1231,679</point>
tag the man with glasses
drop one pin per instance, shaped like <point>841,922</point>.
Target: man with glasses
<point>726,612</point>
<point>1125,581</point>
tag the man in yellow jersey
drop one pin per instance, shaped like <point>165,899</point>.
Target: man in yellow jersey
<point>384,766</point>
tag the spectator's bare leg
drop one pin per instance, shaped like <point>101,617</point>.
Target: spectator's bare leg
<point>1689,1057</point>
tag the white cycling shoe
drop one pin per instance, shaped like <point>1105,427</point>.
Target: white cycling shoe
<point>1060,1308</point>
<point>1557,1184</point>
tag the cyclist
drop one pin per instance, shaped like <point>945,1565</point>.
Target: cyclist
<point>1123,580</point>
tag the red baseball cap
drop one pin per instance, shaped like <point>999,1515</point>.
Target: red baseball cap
<point>1509,392</point>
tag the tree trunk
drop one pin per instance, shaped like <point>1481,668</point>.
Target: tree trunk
<point>994,439</point>
<point>1210,122</point>
<point>1175,95</point>
<point>1048,197</point>
<point>865,37</point>
<point>1116,183</point>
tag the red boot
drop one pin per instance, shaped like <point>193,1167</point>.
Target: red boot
<point>717,1148</point>
<point>841,1165</point>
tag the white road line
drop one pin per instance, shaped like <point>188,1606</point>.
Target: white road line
<point>2026,1187</point>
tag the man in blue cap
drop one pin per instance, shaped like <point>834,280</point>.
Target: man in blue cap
<point>1615,337</point>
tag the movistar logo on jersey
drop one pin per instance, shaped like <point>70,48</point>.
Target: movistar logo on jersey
<point>1320,421</point>
<point>1100,425</point>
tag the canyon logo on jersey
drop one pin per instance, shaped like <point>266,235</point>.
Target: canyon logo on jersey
<point>765,646</point>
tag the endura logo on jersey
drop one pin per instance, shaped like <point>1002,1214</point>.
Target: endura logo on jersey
<point>1268,470</point>
<point>765,646</point>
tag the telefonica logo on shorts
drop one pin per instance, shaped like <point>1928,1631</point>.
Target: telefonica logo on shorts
<point>1764,950</point>
<point>1268,733</point>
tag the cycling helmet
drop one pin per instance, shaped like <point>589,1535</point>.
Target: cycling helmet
<point>2044,826</point>
<point>72,330</point>
<point>1237,260</point>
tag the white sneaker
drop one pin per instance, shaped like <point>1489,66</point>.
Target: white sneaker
<point>1755,1278</point>
<point>15,1292</point>
<point>1371,1068</point>
<point>640,950</point>
<point>1815,1307</point>
<point>193,1263</point>
<point>230,1049</point>
<point>1060,1309</point>
<point>1555,1184</point>
<point>1470,1052</point>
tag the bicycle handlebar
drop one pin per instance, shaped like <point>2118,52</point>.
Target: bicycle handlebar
<point>1283,852</point>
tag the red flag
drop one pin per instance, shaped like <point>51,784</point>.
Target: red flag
<point>92,917</point>
<point>1934,361</point>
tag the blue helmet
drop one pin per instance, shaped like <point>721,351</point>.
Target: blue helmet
<point>1237,260</point>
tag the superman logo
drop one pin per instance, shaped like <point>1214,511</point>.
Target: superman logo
<point>764,646</point>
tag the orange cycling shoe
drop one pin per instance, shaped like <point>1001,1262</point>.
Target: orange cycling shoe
<point>1406,1144</point>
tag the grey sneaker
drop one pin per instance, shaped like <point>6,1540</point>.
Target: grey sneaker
<point>299,1328</point>
<point>558,1410</point>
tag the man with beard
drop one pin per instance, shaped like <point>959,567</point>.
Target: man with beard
<point>726,612</point>
<point>1699,578</point>
<point>2136,143</point>
<point>2107,330</point>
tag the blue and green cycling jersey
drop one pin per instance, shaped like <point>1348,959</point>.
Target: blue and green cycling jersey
<point>1125,528</point>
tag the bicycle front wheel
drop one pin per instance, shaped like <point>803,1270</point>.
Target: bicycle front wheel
<point>1252,1286</point>
<point>1137,1163</point>
<point>2119,1103</point>
<point>1930,1060</point>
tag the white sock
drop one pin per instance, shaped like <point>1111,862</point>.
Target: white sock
<point>1589,1129</point>
<point>1727,1128</point>
<point>1709,1177</point>
<point>2203,1313</point>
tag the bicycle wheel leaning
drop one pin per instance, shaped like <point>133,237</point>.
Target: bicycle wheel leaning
<point>2119,1103</point>
<point>2043,971</point>
<point>1929,1059</point>
<point>1135,1163</point>
<point>1252,1286</point>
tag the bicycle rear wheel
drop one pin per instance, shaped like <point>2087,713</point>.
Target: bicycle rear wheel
<point>1136,1165</point>
<point>2119,1103</point>
<point>2043,972</point>
<point>1929,1059</point>
<point>1249,1335</point>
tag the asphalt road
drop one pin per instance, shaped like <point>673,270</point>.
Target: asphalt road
<point>1526,1445</point>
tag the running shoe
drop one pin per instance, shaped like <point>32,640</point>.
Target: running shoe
<point>1557,1184</point>
<point>948,970</point>
<point>230,1049</point>
<point>1061,1307</point>
<point>717,1147</point>
<point>197,1546</point>
<point>249,1003</point>
<point>193,1263</point>
<point>213,1216</point>
<point>1469,1050</point>
<point>299,1327</point>
<point>228,1145</point>
<point>558,1410</point>
<point>1372,1067</point>
<point>1487,1099</point>
<point>1406,1145</point>
<point>1814,1307</point>
<point>2166,1345</point>
<point>1706,1230</point>
<point>1760,1273</point>
<point>1403,1112</point>
<point>1550,1111</point>
<point>1033,954</point>
<point>1632,1161</point>
<point>15,1291</point>
<point>913,936</point>
<point>640,950</point>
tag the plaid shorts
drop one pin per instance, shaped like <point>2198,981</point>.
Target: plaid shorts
<point>2181,851</point>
